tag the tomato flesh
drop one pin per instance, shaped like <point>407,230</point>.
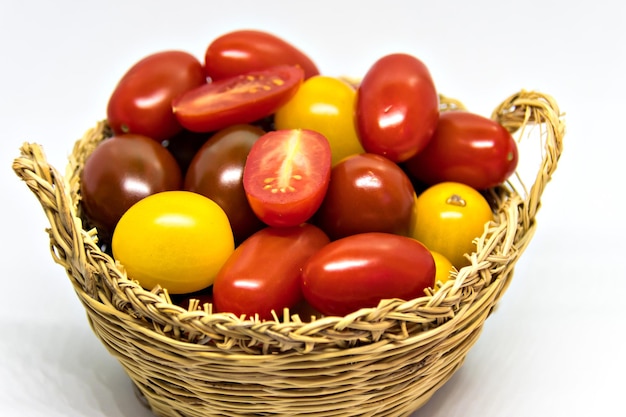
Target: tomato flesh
<point>287,175</point>
<point>239,99</point>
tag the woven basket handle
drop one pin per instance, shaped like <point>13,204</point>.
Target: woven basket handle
<point>531,108</point>
<point>66,231</point>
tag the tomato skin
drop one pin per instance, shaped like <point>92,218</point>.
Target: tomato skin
<point>263,273</point>
<point>240,99</point>
<point>121,171</point>
<point>468,148</point>
<point>141,103</point>
<point>324,104</point>
<point>243,51</point>
<point>176,239</point>
<point>448,217</point>
<point>287,175</point>
<point>397,107</point>
<point>360,270</point>
<point>366,193</point>
<point>216,171</point>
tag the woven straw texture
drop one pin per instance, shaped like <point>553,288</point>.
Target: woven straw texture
<point>383,361</point>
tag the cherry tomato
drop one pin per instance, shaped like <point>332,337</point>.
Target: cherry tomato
<point>121,171</point>
<point>239,99</point>
<point>443,267</point>
<point>243,51</point>
<point>367,193</point>
<point>286,176</point>
<point>360,270</point>
<point>448,217</point>
<point>176,239</point>
<point>141,102</point>
<point>263,274</point>
<point>467,148</point>
<point>216,172</point>
<point>326,105</point>
<point>397,107</point>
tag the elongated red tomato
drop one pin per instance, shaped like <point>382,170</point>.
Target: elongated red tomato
<point>397,107</point>
<point>360,270</point>
<point>141,103</point>
<point>467,148</point>
<point>263,274</point>
<point>236,100</point>
<point>242,51</point>
<point>286,176</point>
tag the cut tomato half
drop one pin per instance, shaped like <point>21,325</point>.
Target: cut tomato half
<point>286,176</point>
<point>239,99</point>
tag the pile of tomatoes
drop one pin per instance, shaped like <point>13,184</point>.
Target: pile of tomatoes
<point>254,182</point>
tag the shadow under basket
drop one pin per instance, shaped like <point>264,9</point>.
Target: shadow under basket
<point>382,361</point>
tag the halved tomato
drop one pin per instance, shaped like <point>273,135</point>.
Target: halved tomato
<point>240,99</point>
<point>286,175</point>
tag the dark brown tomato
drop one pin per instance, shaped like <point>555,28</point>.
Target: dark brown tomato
<point>121,171</point>
<point>367,193</point>
<point>216,172</point>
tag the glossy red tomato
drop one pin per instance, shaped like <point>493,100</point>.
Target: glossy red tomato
<point>216,172</point>
<point>360,270</point>
<point>397,107</point>
<point>239,99</point>
<point>286,176</point>
<point>367,193</point>
<point>121,171</point>
<point>466,148</point>
<point>141,103</point>
<point>263,274</point>
<point>243,51</point>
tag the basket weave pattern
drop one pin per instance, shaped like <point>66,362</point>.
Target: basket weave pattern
<point>383,361</point>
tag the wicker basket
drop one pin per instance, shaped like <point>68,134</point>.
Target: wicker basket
<point>383,361</point>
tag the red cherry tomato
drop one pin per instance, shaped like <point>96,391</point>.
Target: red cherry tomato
<point>244,51</point>
<point>466,148</point>
<point>216,171</point>
<point>360,270</point>
<point>239,99</point>
<point>397,107</point>
<point>367,193</point>
<point>121,171</point>
<point>263,274</point>
<point>142,100</point>
<point>286,176</point>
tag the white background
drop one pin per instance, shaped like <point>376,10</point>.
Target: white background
<point>555,346</point>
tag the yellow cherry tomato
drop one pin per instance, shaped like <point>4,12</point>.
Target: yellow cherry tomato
<point>176,239</point>
<point>443,267</point>
<point>448,217</point>
<point>324,104</point>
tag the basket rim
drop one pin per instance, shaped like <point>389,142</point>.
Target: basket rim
<point>480,283</point>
